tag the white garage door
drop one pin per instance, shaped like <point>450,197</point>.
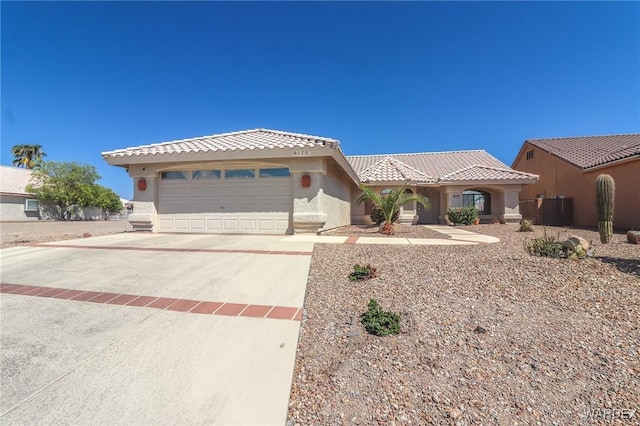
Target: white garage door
<point>226,201</point>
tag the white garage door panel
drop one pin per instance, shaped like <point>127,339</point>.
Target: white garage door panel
<point>232,205</point>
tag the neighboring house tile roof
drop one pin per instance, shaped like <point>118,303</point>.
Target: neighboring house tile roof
<point>445,166</point>
<point>390,169</point>
<point>591,151</point>
<point>13,180</point>
<point>243,140</point>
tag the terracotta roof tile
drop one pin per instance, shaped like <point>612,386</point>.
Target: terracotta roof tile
<point>591,151</point>
<point>244,140</point>
<point>483,173</point>
<point>433,164</point>
<point>390,169</point>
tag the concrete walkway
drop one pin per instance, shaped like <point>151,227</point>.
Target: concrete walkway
<point>457,236</point>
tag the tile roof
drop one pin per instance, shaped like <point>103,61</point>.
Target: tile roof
<point>591,151</point>
<point>13,180</point>
<point>448,166</point>
<point>390,169</point>
<point>243,140</point>
<point>483,173</point>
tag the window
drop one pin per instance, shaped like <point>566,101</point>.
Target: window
<point>529,154</point>
<point>206,174</point>
<point>31,205</point>
<point>283,172</point>
<point>175,175</point>
<point>409,205</point>
<point>478,199</point>
<point>239,173</point>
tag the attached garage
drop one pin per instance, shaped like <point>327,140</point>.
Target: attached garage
<point>257,181</point>
<point>235,200</point>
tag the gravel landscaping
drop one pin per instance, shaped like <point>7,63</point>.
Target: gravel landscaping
<point>490,335</point>
<point>41,231</point>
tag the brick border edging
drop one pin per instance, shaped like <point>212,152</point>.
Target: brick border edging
<point>173,249</point>
<point>164,303</point>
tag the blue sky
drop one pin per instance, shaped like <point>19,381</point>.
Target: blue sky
<point>80,78</point>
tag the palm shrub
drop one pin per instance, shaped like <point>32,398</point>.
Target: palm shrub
<point>605,193</point>
<point>390,203</point>
<point>377,216</point>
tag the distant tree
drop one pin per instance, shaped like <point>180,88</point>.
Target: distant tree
<point>28,156</point>
<point>107,199</point>
<point>68,185</point>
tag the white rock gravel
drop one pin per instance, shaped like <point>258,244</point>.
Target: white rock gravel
<point>561,338</point>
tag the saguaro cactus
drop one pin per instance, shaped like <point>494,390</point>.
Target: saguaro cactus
<point>605,193</point>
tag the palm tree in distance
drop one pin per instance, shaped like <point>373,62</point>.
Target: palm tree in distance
<point>389,203</point>
<point>28,156</point>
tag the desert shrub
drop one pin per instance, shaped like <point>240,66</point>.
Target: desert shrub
<point>380,322</point>
<point>526,226</point>
<point>363,272</point>
<point>462,215</point>
<point>545,246</point>
<point>377,216</point>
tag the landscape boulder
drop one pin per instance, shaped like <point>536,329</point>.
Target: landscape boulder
<point>633,237</point>
<point>575,241</point>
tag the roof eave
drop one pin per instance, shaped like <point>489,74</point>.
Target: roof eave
<point>634,157</point>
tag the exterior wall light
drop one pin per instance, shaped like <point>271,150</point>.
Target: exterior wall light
<point>142,184</point>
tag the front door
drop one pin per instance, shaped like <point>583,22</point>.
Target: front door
<point>426,216</point>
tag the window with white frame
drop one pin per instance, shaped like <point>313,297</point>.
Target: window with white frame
<point>31,205</point>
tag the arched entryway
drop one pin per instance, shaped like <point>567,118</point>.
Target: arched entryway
<point>479,199</point>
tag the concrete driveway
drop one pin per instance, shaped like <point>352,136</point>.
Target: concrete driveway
<point>151,329</point>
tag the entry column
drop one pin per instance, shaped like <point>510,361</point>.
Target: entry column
<point>145,199</point>
<point>308,178</point>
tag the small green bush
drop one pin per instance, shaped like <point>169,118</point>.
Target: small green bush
<point>377,217</point>
<point>526,226</point>
<point>545,246</point>
<point>462,215</point>
<point>380,322</point>
<point>363,272</point>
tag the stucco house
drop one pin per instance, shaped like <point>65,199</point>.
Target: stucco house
<point>568,167</point>
<point>275,182</point>
<point>18,205</point>
<point>15,203</point>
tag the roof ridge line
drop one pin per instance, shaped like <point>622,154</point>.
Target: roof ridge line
<point>220,135</point>
<point>419,153</point>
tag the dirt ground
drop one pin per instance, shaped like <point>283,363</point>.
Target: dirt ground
<point>28,232</point>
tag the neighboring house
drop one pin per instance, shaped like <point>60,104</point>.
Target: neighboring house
<point>15,202</point>
<point>274,182</point>
<point>568,167</point>
<point>18,205</point>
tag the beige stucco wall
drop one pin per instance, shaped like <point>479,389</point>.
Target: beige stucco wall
<point>559,178</point>
<point>336,197</point>
<point>12,208</point>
